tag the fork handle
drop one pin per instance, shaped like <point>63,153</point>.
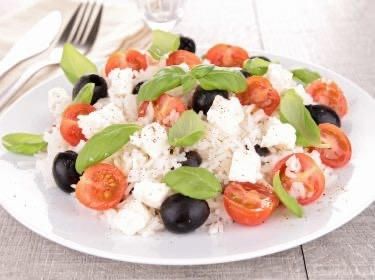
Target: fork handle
<point>10,92</point>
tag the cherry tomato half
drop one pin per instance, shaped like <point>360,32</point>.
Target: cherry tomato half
<point>340,150</point>
<point>227,55</point>
<point>310,176</point>
<point>69,128</point>
<point>249,204</point>
<point>328,94</point>
<point>101,187</point>
<point>126,59</point>
<point>182,56</point>
<point>261,93</point>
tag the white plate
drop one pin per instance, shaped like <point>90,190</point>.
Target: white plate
<point>58,217</point>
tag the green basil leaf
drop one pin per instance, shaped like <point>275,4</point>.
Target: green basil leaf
<point>224,79</point>
<point>104,144</point>
<point>289,201</point>
<point>163,43</point>
<point>24,143</point>
<point>188,83</point>
<point>305,76</point>
<point>85,94</point>
<point>74,64</point>
<point>187,130</point>
<point>195,182</point>
<point>164,80</point>
<point>256,66</point>
<point>295,113</point>
<point>201,70</point>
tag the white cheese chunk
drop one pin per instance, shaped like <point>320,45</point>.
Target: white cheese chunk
<point>120,82</point>
<point>226,114</point>
<point>306,98</point>
<point>58,100</point>
<point>150,193</point>
<point>152,139</point>
<point>279,134</point>
<point>131,218</point>
<point>280,78</point>
<point>245,166</point>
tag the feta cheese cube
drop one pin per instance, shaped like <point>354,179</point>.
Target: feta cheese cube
<point>150,193</point>
<point>245,166</point>
<point>120,82</point>
<point>282,135</point>
<point>58,100</point>
<point>152,139</point>
<point>306,98</point>
<point>280,78</point>
<point>226,114</point>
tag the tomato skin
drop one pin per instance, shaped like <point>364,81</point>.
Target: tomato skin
<point>329,94</point>
<point>260,199</point>
<point>227,55</point>
<point>182,56</point>
<point>101,187</point>
<point>123,59</point>
<point>69,128</point>
<point>142,109</point>
<point>311,176</point>
<point>340,152</point>
<point>261,93</point>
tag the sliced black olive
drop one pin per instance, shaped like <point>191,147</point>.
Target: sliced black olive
<point>137,87</point>
<point>187,44</point>
<point>193,159</point>
<point>261,57</point>
<point>100,90</point>
<point>261,151</point>
<point>182,214</point>
<point>323,114</point>
<point>64,171</point>
<point>203,99</point>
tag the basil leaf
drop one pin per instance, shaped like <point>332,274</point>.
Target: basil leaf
<point>188,83</point>
<point>224,79</point>
<point>202,70</point>
<point>289,201</point>
<point>256,66</point>
<point>163,43</point>
<point>305,76</point>
<point>295,113</point>
<point>188,130</point>
<point>194,182</point>
<point>24,143</point>
<point>164,80</point>
<point>74,64</point>
<point>104,144</point>
<point>85,94</point>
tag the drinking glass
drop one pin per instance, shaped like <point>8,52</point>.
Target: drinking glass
<point>161,14</point>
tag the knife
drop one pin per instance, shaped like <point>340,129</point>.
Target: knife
<point>35,41</point>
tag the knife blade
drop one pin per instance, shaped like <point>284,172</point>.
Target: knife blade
<point>33,42</point>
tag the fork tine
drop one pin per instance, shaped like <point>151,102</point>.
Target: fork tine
<point>68,28</point>
<point>94,29</point>
<point>79,26</point>
<point>84,30</point>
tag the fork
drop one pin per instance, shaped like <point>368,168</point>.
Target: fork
<point>76,32</point>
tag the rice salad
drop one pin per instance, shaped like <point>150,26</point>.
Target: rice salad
<point>165,140</point>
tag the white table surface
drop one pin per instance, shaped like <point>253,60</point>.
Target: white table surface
<point>338,34</point>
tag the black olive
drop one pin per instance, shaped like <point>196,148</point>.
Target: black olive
<point>245,73</point>
<point>182,214</point>
<point>261,57</point>
<point>193,159</point>
<point>100,90</point>
<point>137,87</point>
<point>187,44</point>
<point>323,114</point>
<point>203,99</point>
<point>261,151</point>
<point>64,171</point>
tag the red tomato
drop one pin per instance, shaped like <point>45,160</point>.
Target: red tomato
<point>328,94</point>
<point>182,56</point>
<point>261,93</point>
<point>101,187</point>
<point>340,150</point>
<point>69,128</point>
<point>310,175</point>
<point>164,106</point>
<point>249,204</point>
<point>227,55</point>
<point>126,59</point>
<point>142,110</point>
